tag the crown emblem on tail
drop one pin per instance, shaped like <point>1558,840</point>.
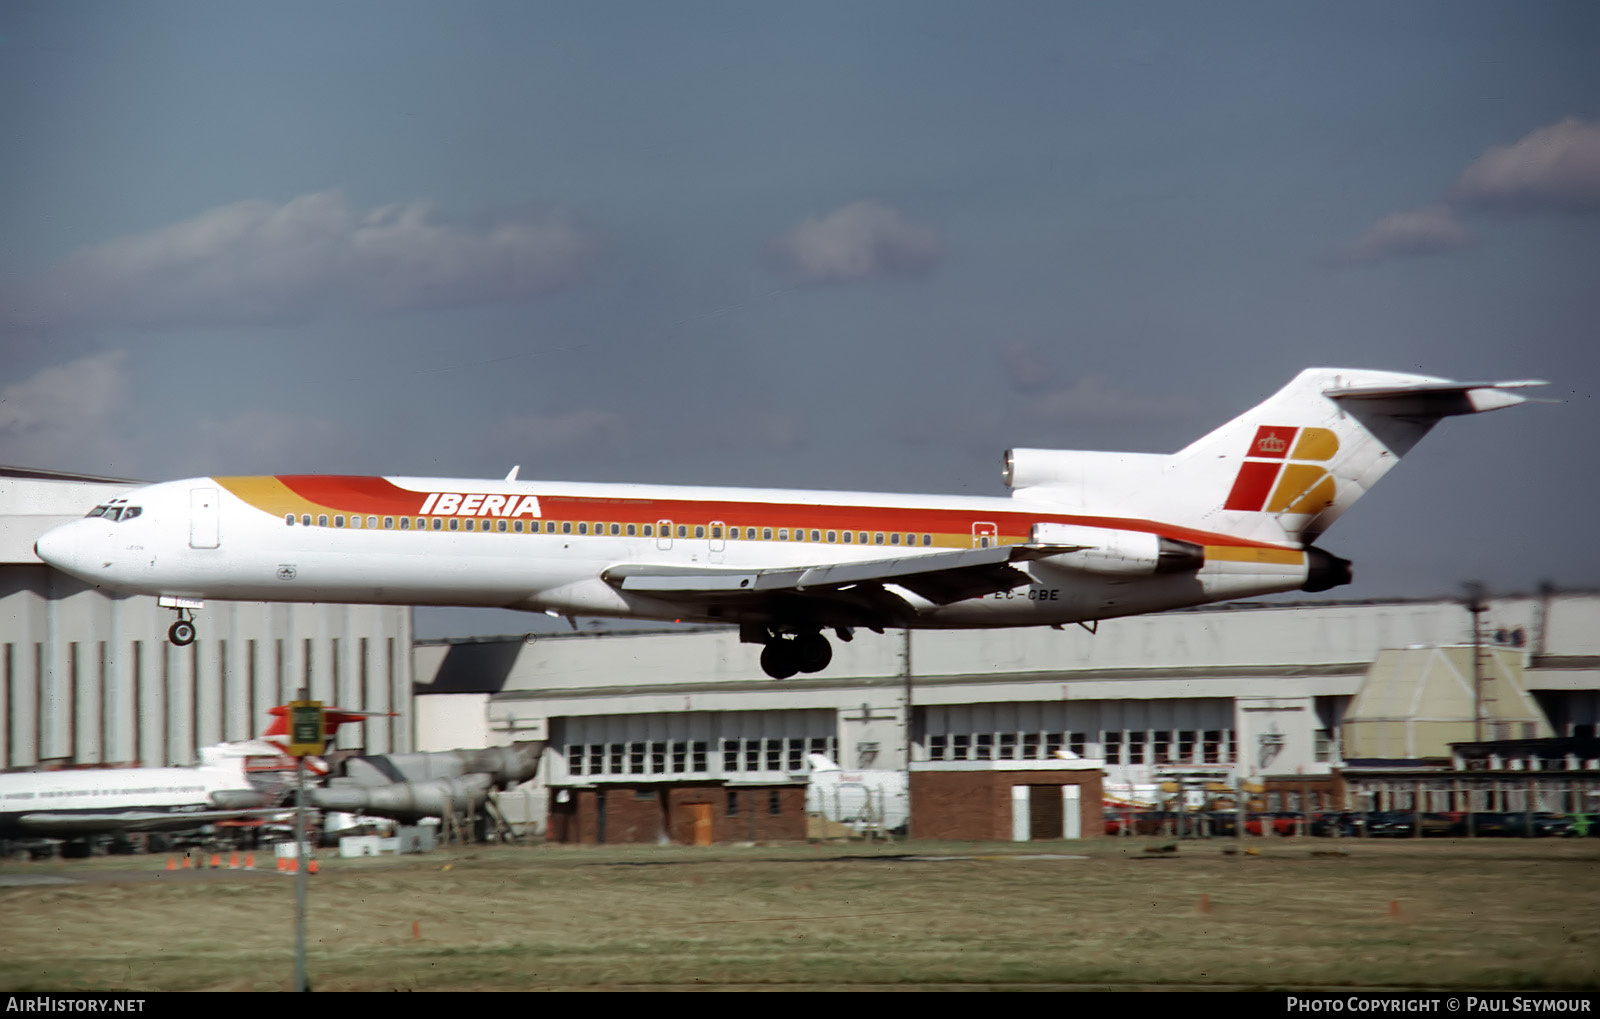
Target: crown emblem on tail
<point>1272,444</point>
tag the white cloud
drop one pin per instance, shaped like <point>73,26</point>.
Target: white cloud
<point>1555,168</point>
<point>257,262</point>
<point>1027,369</point>
<point>864,240</point>
<point>1552,169</point>
<point>71,416</point>
<point>1432,230</point>
<point>568,430</point>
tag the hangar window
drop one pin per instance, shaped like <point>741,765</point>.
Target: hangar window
<point>1161,747</point>
<point>658,758</point>
<point>731,809</point>
<point>774,803</point>
<point>1136,746</point>
<point>1113,745</point>
<point>1185,746</point>
<point>1076,744</point>
<point>575,759</point>
<point>1211,746</point>
<point>597,758</point>
<point>680,757</point>
<point>636,758</point>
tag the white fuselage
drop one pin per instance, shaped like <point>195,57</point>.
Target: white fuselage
<point>55,804</point>
<point>546,546</point>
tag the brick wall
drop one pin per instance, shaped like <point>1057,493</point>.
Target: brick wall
<point>630,818</point>
<point>977,804</point>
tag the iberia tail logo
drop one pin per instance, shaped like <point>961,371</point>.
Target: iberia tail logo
<point>1285,471</point>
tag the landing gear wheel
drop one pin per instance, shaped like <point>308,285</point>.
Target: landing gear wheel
<point>812,652</point>
<point>777,659</point>
<point>181,633</point>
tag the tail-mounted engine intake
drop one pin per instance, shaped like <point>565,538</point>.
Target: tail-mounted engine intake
<point>1124,553</point>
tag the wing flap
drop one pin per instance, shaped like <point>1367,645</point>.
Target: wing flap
<point>946,572</point>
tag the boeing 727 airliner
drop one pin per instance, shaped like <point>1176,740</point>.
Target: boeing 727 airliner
<point>1084,536</point>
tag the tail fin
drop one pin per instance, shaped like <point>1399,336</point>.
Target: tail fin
<point>1286,469</point>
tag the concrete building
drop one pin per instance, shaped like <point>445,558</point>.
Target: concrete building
<point>88,678</point>
<point>1252,691</point>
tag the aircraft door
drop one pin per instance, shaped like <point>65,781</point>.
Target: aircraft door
<point>717,538</point>
<point>663,534</point>
<point>985,535</point>
<point>204,525</point>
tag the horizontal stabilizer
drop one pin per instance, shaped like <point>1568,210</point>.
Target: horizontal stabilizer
<point>1439,399</point>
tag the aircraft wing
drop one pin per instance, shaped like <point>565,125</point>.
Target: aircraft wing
<point>940,577</point>
<point>76,823</point>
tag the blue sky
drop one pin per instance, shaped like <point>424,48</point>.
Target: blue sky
<point>832,245</point>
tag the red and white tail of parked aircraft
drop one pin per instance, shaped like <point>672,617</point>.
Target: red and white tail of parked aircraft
<point>1083,536</point>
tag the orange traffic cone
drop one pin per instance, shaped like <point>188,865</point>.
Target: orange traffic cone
<point>233,860</point>
<point>186,863</point>
<point>249,861</point>
<point>216,860</point>
<point>172,863</point>
<point>311,865</point>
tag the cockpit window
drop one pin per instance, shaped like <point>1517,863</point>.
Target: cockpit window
<point>116,512</point>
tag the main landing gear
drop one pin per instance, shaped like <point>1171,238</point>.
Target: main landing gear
<point>786,654</point>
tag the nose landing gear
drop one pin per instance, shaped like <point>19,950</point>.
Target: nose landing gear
<point>181,633</point>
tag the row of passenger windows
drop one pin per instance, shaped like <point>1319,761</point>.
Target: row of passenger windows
<point>715,531</point>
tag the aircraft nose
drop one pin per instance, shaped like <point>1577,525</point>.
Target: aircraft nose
<point>59,548</point>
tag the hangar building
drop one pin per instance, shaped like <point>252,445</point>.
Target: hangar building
<point>634,720</point>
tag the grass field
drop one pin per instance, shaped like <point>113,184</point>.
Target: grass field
<point>1491,914</point>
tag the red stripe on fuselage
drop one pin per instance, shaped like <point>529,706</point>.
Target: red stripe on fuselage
<point>376,495</point>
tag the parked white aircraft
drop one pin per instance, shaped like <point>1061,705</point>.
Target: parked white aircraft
<point>83,802</point>
<point>1084,536</point>
<point>865,800</point>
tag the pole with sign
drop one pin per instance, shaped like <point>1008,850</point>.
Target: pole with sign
<point>307,738</point>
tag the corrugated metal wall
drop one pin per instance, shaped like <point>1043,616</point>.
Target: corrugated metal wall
<point>90,679</point>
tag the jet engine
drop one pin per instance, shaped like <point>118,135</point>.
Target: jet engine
<point>1113,551</point>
